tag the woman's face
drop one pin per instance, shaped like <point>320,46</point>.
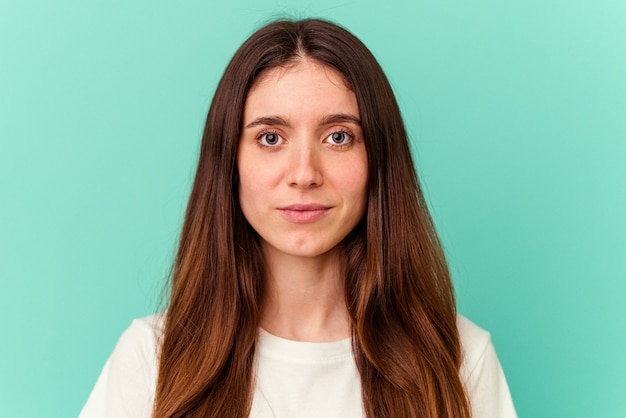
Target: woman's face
<point>302,160</point>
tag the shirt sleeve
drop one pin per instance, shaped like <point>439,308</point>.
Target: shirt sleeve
<point>126,385</point>
<point>482,374</point>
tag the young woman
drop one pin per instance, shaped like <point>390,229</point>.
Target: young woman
<point>309,280</point>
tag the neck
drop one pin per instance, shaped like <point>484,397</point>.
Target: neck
<point>304,297</point>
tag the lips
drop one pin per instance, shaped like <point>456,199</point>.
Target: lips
<point>303,213</point>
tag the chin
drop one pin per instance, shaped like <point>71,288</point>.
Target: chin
<point>306,249</point>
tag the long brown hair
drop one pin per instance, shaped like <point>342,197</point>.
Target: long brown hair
<point>397,287</point>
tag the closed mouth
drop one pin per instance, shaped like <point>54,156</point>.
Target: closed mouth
<point>303,213</point>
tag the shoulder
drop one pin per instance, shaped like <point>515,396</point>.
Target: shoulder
<point>142,336</point>
<point>126,385</point>
<point>151,325</point>
<point>474,342</point>
<point>138,345</point>
<point>482,374</point>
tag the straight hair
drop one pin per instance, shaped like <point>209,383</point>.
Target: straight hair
<point>398,290</point>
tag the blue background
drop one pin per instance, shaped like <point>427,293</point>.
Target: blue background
<point>517,115</point>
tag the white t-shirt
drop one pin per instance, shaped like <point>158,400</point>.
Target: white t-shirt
<point>294,379</point>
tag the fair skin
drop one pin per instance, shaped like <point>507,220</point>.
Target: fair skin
<point>303,187</point>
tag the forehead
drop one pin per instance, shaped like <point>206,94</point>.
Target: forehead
<point>304,85</point>
<point>300,66</point>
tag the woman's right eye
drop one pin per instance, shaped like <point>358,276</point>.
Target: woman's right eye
<point>270,139</point>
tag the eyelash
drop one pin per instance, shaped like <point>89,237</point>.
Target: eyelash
<point>350,138</point>
<point>263,134</point>
<point>260,137</point>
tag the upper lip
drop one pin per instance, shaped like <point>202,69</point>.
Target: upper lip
<point>305,207</point>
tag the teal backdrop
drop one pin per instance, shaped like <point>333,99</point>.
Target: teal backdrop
<point>517,117</point>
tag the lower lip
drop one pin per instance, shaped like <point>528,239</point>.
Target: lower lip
<point>302,216</point>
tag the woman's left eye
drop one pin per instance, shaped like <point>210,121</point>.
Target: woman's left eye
<point>339,138</point>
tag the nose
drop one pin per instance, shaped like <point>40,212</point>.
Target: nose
<point>305,169</point>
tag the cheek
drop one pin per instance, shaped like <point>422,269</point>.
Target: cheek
<point>248,190</point>
<point>246,185</point>
<point>255,178</point>
<point>256,183</point>
<point>353,176</point>
<point>249,203</point>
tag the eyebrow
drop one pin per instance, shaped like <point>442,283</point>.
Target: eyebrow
<point>267,120</point>
<point>326,120</point>
<point>341,118</point>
